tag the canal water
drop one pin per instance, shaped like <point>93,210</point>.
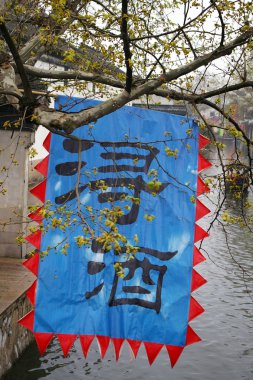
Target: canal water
<point>226,327</point>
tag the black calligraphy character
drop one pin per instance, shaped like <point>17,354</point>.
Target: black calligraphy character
<point>153,288</point>
<point>95,267</point>
<point>140,293</point>
<point>137,184</point>
<point>70,168</point>
<point>136,157</point>
<point>146,293</point>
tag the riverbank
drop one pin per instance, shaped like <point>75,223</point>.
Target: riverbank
<point>14,338</point>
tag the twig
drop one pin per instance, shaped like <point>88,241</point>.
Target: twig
<point>126,46</point>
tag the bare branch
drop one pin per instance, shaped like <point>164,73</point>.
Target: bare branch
<point>221,22</point>
<point>179,29</point>
<point>73,74</point>
<point>126,45</point>
<point>104,6</point>
<point>228,117</point>
<point>197,98</point>
<point>190,44</point>
<point>25,82</point>
<point>226,89</point>
<point>113,82</point>
<point>11,93</point>
<point>71,121</point>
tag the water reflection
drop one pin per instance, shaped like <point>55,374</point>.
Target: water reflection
<point>226,328</point>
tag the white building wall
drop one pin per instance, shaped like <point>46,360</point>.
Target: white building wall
<point>13,190</point>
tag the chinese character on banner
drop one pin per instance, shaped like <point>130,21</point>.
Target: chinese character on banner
<point>142,165</point>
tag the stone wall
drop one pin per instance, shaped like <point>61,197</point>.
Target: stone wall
<point>14,338</point>
<point>13,189</point>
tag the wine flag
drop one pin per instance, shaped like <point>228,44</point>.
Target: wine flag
<point>116,246</point>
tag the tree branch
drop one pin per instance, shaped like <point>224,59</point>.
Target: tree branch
<point>25,82</point>
<point>12,93</point>
<point>35,44</point>
<point>73,74</point>
<point>190,45</point>
<point>116,83</point>
<point>225,89</point>
<point>126,45</point>
<point>165,93</point>
<point>199,99</point>
<point>69,122</point>
<point>179,29</point>
<point>229,118</point>
<point>221,22</point>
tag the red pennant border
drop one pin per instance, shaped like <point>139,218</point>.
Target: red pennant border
<point>31,293</point>
<point>47,142</point>
<point>195,309</point>
<point>42,166</point>
<point>35,239</point>
<point>202,187</point>
<point>197,257</point>
<point>36,216</point>
<point>103,344</point>
<point>174,353</point>
<point>28,321</point>
<point>32,264</point>
<point>66,342</point>
<point>39,191</point>
<point>134,346</point>
<point>43,340</point>
<point>152,349</point>
<point>117,343</point>
<point>86,341</point>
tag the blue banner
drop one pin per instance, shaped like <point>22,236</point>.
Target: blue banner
<point>145,163</point>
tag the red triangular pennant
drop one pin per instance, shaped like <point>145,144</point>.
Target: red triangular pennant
<point>66,342</point>
<point>43,340</point>
<point>36,216</point>
<point>39,191</point>
<point>199,233</point>
<point>117,342</point>
<point>203,141</point>
<point>134,345</point>
<point>42,166</point>
<point>197,257</point>
<point>202,187</point>
<point>152,350</point>
<point>203,163</point>
<point>201,210</point>
<point>86,341</point>
<point>32,264</point>
<point>197,280</point>
<point>195,309</point>
<point>174,353</point>
<point>191,337</point>
<point>28,321</point>
<point>47,141</point>
<point>35,239</point>
<point>31,293</point>
<point>103,343</point>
